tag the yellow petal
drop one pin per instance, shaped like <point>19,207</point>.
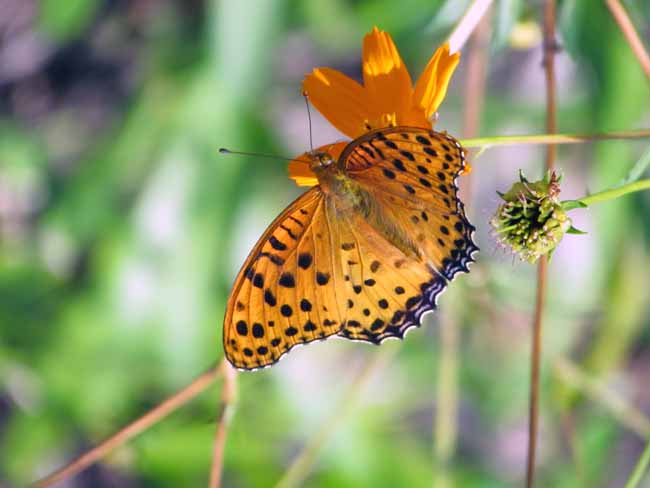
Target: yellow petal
<point>301,173</point>
<point>340,99</point>
<point>386,80</point>
<point>431,87</point>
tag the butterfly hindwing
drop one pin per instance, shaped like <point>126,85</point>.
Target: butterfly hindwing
<point>385,290</point>
<point>411,173</point>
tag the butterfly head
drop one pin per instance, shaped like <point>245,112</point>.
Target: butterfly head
<point>320,160</point>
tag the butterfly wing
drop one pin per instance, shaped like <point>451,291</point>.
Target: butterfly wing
<point>285,292</point>
<point>321,270</point>
<point>410,174</point>
<point>386,290</point>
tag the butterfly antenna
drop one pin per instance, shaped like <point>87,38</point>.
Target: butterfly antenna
<point>311,140</point>
<point>223,150</point>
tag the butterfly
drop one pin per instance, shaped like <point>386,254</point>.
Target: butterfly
<point>362,255</point>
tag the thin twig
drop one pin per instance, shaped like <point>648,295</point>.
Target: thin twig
<point>630,33</point>
<point>547,139</point>
<point>626,414</point>
<point>568,427</point>
<point>550,47</point>
<point>226,411</point>
<point>134,428</point>
<point>467,24</point>
<point>303,463</point>
<point>640,468</point>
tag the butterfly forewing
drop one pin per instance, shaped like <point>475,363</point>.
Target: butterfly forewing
<point>285,293</point>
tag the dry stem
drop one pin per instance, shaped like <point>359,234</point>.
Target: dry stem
<point>550,47</point>
<point>226,410</point>
<point>134,428</point>
<point>536,353</point>
<point>474,90</point>
<point>630,33</point>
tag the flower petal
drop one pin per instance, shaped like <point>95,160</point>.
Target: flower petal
<point>301,173</point>
<point>300,167</point>
<point>386,80</point>
<point>340,99</point>
<point>431,87</point>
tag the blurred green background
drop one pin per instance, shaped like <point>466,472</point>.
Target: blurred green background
<point>121,230</point>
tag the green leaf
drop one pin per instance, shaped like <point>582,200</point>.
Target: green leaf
<point>66,21</point>
<point>507,15</point>
<point>573,230</point>
<point>572,204</point>
<point>637,170</point>
<point>640,468</point>
<point>569,27</point>
<point>447,15</point>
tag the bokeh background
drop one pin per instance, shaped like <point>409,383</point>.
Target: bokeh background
<point>121,230</point>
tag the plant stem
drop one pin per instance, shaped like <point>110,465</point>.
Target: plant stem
<point>612,193</point>
<point>550,47</point>
<point>639,469</point>
<point>621,409</point>
<point>154,415</point>
<point>547,139</point>
<point>226,411</point>
<point>535,359</point>
<point>631,36</point>
<point>445,423</point>
<point>474,91</point>
<point>467,24</point>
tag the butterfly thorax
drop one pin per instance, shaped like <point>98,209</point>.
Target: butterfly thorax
<point>336,184</point>
<point>351,201</point>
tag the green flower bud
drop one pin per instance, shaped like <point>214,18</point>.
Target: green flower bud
<point>531,220</point>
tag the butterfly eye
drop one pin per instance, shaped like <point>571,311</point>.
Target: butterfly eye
<point>325,159</point>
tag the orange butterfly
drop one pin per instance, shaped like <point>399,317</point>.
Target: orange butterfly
<point>367,250</point>
<point>361,255</point>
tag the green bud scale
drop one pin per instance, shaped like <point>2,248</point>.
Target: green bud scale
<point>531,220</point>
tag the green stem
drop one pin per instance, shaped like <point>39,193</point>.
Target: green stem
<point>619,191</point>
<point>552,138</point>
<point>639,469</point>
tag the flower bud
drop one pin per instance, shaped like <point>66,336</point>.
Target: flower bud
<point>531,220</point>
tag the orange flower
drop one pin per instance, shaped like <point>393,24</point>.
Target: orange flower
<point>387,97</point>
